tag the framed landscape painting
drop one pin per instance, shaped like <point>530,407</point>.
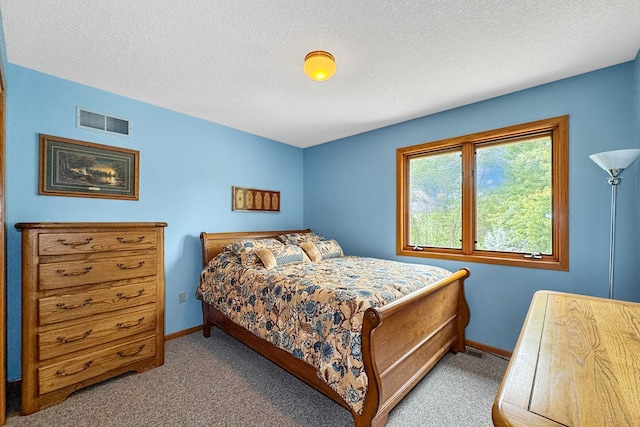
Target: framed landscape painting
<point>83,169</point>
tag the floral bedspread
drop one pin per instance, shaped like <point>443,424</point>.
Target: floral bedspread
<point>313,310</point>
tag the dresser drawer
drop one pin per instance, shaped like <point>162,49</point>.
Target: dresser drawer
<point>75,273</point>
<point>74,370</point>
<point>75,305</point>
<point>95,331</point>
<point>74,243</point>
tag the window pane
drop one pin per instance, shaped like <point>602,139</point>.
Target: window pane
<point>514,196</point>
<point>435,200</point>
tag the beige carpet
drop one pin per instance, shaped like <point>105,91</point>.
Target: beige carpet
<point>220,382</point>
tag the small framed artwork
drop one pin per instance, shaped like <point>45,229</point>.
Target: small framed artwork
<point>251,199</point>
<point>83,169</point>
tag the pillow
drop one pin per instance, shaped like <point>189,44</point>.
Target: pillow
<point>298,238</point>
<point>282,255</point>
<point>323,249</point>
<point>245,249</point>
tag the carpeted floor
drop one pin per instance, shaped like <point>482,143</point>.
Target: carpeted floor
<point>220,382</point>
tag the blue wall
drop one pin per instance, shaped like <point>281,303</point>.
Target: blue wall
<point>187,168</point>
<point>350,194</point>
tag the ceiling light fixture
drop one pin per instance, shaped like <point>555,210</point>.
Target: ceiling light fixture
<point>319,65</point>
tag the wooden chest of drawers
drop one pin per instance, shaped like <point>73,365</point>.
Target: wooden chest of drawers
<point>92,305</point>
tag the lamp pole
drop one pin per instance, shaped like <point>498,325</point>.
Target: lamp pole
<point>614,162</point>
<point>614,180</point>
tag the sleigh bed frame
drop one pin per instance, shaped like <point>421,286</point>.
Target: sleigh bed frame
<point>401,341</point>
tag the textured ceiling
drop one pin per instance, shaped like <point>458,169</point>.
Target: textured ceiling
<point>239,62</point>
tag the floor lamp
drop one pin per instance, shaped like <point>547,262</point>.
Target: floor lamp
<point>614,162</point>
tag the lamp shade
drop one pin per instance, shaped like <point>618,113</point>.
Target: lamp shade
<point>614,162</point>
<point>319,65</point>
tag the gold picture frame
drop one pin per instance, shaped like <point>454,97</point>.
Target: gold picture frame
<point>252,199</point>
<point>68,167</point>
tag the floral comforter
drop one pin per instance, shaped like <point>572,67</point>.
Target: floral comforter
<point>313,310</point>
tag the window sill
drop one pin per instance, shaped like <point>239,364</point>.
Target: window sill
<point>515,260</point>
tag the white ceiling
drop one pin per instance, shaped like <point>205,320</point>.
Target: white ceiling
<point>239,62</point>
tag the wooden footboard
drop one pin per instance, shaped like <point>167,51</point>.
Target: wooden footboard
<point>401,341</point>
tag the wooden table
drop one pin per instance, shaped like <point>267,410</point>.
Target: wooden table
<point>576,363</point>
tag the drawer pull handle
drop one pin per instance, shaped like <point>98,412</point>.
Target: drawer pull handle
<point>64,306</point>
<point>72,339</point>
<point>74,244</point>
<point>120,295</point>
<point>130,325</point>
<point>124,267</point>
<point>63,373</point>
<point>123,354</point>
<point>74,273</point>
<point>123,240</point>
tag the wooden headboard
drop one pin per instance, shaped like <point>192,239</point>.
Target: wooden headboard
<point>212,243</point>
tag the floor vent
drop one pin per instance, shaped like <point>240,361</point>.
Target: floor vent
<point>93,120</point>
<point>474,353</point>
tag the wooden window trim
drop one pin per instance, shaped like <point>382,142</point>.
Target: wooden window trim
<point>558,260</point>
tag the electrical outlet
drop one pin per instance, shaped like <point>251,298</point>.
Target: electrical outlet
<point>182,297</point>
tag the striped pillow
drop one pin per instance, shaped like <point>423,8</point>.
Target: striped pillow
<point>324,249</point>
<point>283,255</point>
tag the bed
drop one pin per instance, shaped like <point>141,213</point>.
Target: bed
<point>398,339</point>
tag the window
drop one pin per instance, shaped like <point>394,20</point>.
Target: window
<point>498,197</point>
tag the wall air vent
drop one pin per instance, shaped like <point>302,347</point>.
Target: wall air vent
<point>93,120</point>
